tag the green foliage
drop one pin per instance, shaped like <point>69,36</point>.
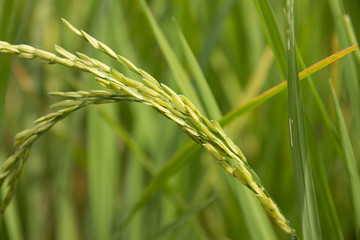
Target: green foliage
<point>122,171</point>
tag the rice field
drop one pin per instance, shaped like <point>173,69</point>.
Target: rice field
<point>112,167</point>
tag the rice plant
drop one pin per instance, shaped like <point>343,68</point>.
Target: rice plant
<point>107,198</point>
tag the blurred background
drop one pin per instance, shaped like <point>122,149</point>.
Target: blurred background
<point>84,177</point>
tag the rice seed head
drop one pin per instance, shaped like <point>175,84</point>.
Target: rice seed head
<point>192,132</point>
<point>101,65</point>
<point>266,202</point>
<point>156,87</point>
<point>103,82</point>
<point>148,92</point>
<point>179,114</point>
<point>43,127</point>
<point>189,104</point>
<point>94,71</point>
<point>82,93</point>
<point>47,117</point>
<point>105,101</point>
<point>130,82</point>
<point>239,176</point>
<point>6,47</point>
<point>44,56</point>
<point>163,103</point>
<point>286,228</point>
<point>175,107</point>
<point>3,176</point>
<point>132,92</point>
<point>128,64</point>
<point>9,163</point>
<point>211,149</point>
<point>227,167</point>
<point>116,74</point>
<point>148,77</point>
<point>218,128</point>
<point>175,119</point>
<point>107,50</point>
<point>65,103</point>
<point>88,60</point>
<point>71,27</point>
<point>90,39</point>
<point>29,141</point>
<point>25,48</point>
<point>65,62</point>
<point>24,134</point>
<point>65,53</point>
<point>101,93</point>
<point>159,107</point>
<point>69,109</point>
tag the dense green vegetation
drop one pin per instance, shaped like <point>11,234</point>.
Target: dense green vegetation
<point>123,171</point>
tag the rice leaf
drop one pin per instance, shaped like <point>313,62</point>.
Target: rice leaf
<point>272,33</point>
<point>171,227</point>
<point>171,167</point>
<point>204,88</point>
<point>260,99</point>
<point>298,143</point>
<point>350,161</point>
<point>351,79</point>
<point>214,32</point>
<point>326,200</point>
<point>258,224</point>
<point>178,72</point>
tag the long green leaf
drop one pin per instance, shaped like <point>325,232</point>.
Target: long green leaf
<point>351,72</point>
<point>183,218</point>
<point>258,225</point>
<point>332,222</point>
<point>214,32</point>
<point>204,88</point>
<point>171,167</point>
<point>103,164</point>
<point>272,34</point>
<point>179,73</point>
<point>9,19</point>
<point>298,143</point>
<point>260,99</point>
<point>350,161</point>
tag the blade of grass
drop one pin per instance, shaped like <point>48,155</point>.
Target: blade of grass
<point>133,171</point>
<point>214,32</point>
<point>170,228</point>
<point>103,164</point>
<point>5,23</point>
<point>66,221</point>
<point>272,33</point>
<point>257,101</point>
<point>171,167</point>
<point>350,161</point>
<point>204,88</point>
<point>102,168</point>
<point>258,224</point>
<point>353,7</point>
<point>180,76</point>
<point>9,19</point>
<point>13,225</point>
<point>298,143</point>
<point>351,72</point>
<point>332,222</point>
<point>321,105</point>
<point>351,35</point>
